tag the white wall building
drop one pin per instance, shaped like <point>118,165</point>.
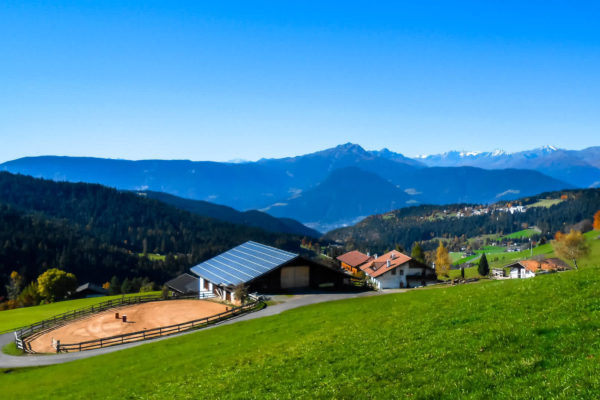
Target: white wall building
<point>396,270</point>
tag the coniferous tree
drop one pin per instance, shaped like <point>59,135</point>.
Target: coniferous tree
<point>417,253</point>
<point>484,267</point>
<point>115,286</point>
<point>126,286</point>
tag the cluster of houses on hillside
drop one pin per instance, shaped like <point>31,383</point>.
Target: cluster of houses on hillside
<point>468,211</point>
<point>265,269</point>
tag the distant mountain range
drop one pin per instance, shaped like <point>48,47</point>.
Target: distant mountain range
<point>580,168</point>
<point>336,186</point>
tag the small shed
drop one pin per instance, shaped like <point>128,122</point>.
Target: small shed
<point>184,284</point>
<point>353,260</point>
<point>498,272</point>
<point>90,290</point>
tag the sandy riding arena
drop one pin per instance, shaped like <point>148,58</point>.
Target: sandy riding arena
<point>139,317</point>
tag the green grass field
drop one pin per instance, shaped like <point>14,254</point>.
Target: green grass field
<point>525,233</point>
<point>455,256</point>
<point>531,338</point>
<point>10,319</point>
<point>546,203</point>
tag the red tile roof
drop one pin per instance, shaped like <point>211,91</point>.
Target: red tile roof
<point>354,258</point>
<point>379,265</point>
<point>548,264</point>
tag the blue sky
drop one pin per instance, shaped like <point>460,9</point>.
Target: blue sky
<point>226,80</point>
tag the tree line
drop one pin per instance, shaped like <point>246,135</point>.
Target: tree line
<point>419,224</point>
<point>97,232</point>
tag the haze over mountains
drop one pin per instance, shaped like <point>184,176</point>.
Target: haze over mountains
<point>336,186</point>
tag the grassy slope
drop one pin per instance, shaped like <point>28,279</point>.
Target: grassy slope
<point>541,340</point>
<point>522,234</point>
<point>18,317</point>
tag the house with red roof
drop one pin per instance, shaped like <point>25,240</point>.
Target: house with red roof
<point>530,268</point>
<point>397,270</point>
<point>353,260</point>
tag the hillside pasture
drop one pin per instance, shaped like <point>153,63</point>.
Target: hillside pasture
<point>525,233</point>
<point>540,341</point>
<point>546,203</point>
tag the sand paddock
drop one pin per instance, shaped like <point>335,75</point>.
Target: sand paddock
<point>139,317</point>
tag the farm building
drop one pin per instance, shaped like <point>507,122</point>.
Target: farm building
<point>529,268</point>
<point>263,269</point>
<point>353,260</point>
<point>498,272</point>
<point>519,271</point>
<point>184,284</point>
<point>90,290</point>
<point>396,270</point>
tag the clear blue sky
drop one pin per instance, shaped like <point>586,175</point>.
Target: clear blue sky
<point>223,80</point>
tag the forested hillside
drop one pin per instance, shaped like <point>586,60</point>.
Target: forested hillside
<point>420,223</point>
<point>254,218</point>
<point>96,232</point>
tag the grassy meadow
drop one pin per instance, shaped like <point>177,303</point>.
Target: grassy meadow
<point>531,338</point>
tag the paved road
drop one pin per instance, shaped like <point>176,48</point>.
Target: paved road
<point>34,360</point>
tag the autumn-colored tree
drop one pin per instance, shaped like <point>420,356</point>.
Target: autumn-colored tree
<point>417,253</point>
<point>15,284</point>
<point>570,246</point>
<point>106,285</point>
<point>56,284</point>
<point>597,221</point>
<point>442,260</point>
<point>30,296</point>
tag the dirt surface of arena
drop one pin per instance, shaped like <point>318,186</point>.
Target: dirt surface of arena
<point>139,317</point>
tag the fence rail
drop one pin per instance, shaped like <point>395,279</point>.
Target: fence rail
<point>25,332</point>
<point>156,332</point>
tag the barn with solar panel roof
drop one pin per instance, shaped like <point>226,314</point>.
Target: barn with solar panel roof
<point>263,269</point>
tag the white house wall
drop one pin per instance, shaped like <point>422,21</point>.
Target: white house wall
<point>389,281</point>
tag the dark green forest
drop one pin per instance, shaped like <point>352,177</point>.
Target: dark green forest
<point>421,223</point>
<point>97,232</point>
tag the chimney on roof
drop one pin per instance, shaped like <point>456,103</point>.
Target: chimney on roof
<point>375,255</point>
<point>388,263</point>
<point>368,254</point>
<point>392,256</point>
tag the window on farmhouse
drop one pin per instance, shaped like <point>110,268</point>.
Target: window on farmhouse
<point>401,272</point>
<point>394,271</point>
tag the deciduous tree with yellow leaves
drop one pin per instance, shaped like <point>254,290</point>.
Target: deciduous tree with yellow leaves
<point>570,246</point>
<point>442,260</point>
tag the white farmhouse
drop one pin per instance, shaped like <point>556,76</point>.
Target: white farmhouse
<point>396,270</point>
<point>519,271</point>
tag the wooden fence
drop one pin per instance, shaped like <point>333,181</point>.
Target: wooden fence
<point>156,332</point>
<point>27,332</point>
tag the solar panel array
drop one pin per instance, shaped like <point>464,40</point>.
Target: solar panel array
<point>242,263</point>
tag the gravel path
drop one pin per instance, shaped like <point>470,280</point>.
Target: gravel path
<point>34,360</point>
